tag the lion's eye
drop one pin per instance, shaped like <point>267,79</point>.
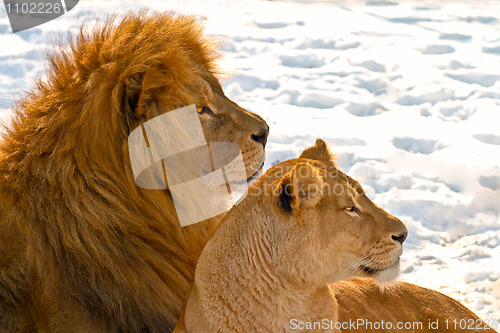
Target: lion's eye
<point>352,209</point>
<point>205,110</point>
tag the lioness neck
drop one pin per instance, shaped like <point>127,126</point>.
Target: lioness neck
<point>237,290</point>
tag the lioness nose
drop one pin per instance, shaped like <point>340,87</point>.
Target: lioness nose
<point>401,238</point>
<point>261,137</point>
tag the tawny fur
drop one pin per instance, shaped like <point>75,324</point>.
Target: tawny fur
<point>274,255</point>
<point>266,266</point>
<point>82,248</point>
<point>427,310</point>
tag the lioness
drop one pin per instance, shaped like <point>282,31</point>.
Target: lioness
<point>82,247</point>
<point>304,225</point>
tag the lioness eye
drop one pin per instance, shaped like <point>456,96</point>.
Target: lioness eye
<point>206,110</point>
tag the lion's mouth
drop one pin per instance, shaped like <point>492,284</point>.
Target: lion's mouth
<point>256,174</point>
<point>249,181</point>
<point>373,271</point>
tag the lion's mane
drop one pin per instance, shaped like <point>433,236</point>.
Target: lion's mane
<point>76,233</point>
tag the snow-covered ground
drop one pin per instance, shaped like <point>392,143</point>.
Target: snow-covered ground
<point>408,95</point>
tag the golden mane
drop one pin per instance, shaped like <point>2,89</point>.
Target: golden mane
<point>75,229</point>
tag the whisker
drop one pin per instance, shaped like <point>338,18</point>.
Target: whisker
<point>348,272</point>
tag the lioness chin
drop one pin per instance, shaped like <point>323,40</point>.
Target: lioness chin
<point>270,265</point>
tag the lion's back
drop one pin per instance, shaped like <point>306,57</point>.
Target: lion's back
<point>416,307</point>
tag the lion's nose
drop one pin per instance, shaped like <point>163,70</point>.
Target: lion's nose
<point>261,137</point>
<point>400,238</point>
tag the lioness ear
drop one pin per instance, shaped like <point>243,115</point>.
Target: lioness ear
<point>319,152</point>
<point>300,188</point>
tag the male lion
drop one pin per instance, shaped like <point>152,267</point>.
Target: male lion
<point>82,247</point>
<point>302,226</point>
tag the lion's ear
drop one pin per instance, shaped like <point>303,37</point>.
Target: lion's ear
<point>300,188</point>
<point>128,96</point>
<point>319,152</point>
<point>207,91</point>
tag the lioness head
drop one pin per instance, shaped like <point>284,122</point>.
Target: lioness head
<point>303,225</point>
<point>320,226</point>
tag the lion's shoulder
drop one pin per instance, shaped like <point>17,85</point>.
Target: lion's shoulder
<point>402,302</point>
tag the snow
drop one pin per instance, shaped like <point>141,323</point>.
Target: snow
<point>406,93</point>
